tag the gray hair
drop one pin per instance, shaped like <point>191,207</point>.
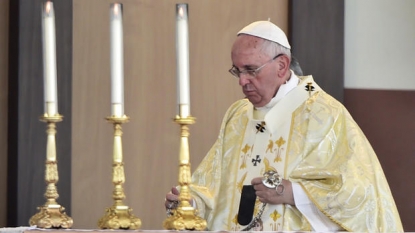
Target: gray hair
<point>272,49</point>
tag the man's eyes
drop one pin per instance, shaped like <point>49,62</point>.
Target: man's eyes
<point>249,71</point>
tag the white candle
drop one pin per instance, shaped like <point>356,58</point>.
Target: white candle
<point>49,60</point>
<point>182,51</point>
<point>117,60</point>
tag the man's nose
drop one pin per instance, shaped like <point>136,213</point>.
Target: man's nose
<point>243,79</point>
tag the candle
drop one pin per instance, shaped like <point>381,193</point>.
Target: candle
<point>117,60</point>
<point>182,51</point>
<point>49,59</point>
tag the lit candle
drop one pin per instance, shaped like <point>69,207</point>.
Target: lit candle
<point>182,51</point>
<point>49,60</point>
<point>117,60</point>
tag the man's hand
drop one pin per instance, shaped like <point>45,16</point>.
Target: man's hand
<point>283,195</point>
<point>172,199</point>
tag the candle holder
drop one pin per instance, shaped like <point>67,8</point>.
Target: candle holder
<point>184,217</point>
<point>51,214</point>
<point>118,216</point>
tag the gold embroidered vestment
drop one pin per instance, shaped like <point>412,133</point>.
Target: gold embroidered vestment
<point>320,147</point>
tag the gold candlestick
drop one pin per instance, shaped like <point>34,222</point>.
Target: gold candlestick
<point>184,217</point>
<point>51,214</point>
<point>118,216</point>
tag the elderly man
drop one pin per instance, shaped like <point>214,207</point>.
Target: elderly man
<point>288,156</point>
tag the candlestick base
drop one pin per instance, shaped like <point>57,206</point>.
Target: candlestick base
<point>51,216</point>
<point>184,217</point>
<point>119,216</point>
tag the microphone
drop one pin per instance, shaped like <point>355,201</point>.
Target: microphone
<point>246,205</point>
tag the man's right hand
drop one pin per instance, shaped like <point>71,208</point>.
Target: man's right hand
<point>172,199</point>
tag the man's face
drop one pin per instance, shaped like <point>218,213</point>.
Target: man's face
<point>247,54</point>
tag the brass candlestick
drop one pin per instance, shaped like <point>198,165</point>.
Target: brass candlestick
<point>184,217</point>
<point>118,216</point>
<point>51,214</point>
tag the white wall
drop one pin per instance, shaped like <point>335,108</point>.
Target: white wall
<point>380,44</point>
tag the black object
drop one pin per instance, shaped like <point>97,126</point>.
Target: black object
<point>246,205</point>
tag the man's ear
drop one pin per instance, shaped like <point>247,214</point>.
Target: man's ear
<point>283,65</point>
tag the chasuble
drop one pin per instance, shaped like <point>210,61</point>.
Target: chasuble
<point>310,139</point>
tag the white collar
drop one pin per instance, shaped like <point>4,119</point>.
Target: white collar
<point>282,91</point>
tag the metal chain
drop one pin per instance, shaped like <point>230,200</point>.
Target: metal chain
<point>271,180</point>
<point>255,219</point>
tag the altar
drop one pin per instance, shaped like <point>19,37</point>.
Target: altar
<point>39,230</point>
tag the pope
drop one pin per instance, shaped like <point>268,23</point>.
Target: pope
<point>307,163</point>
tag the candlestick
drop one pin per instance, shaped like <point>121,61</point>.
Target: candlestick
<point>117,60</point>
<point>49,59</point>
<point>119,215</point>
<point>182,51</point>
<point>51,214</point>
<point>184,217</point>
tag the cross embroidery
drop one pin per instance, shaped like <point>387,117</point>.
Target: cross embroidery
<point>260,127</point>
<point>309,87</point>
<point>256,160</point>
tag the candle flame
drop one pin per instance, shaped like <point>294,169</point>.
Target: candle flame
<point>48,7</point>
<point>181,11</point>
<point>116,9</point>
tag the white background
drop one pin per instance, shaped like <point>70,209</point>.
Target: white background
<point>380,44</point>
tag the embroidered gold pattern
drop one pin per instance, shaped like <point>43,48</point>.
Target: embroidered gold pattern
<point>275,215</point>
<point>270,146</point>
<point>267,166</point>
<point>244,156</point>
<point>235,219</point>
<point>246,149</point>
<point>240,184</point>
<point>235,223</point>
<point>279,143</point>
